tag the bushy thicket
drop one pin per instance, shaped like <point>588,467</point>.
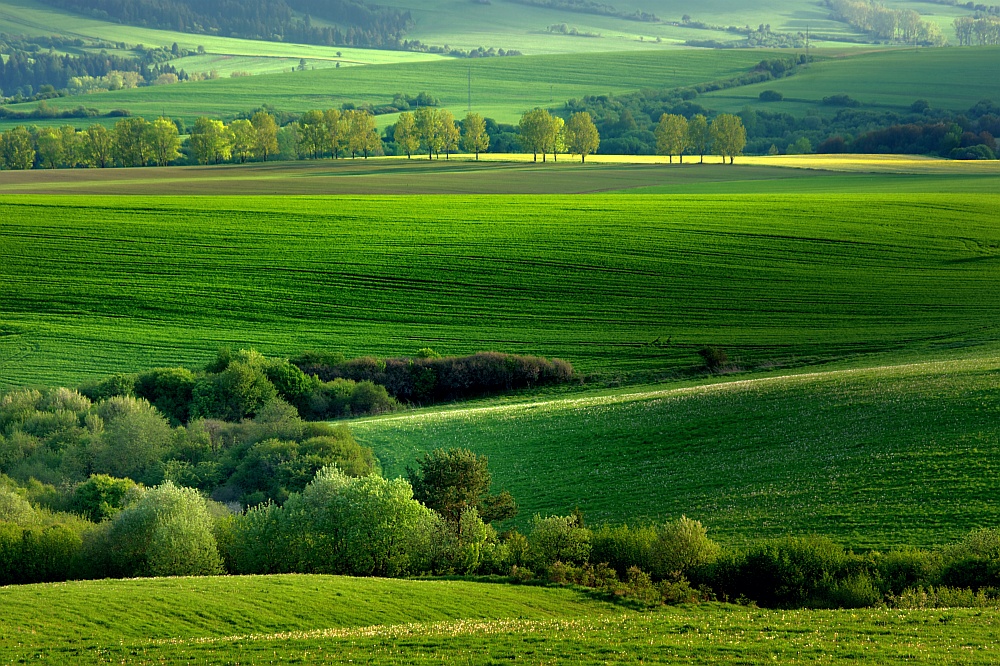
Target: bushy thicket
<point>429,378</point>
<point>55,440</point>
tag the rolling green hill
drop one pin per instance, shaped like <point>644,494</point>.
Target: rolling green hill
<point>952,78</point>
<point>898,455</point>
<point>324,619</point>
<point>96,285</point>
<point>502,88</point>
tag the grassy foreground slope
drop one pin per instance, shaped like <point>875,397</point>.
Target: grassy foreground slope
<point>95,285</point>
<point>874,457</point>
<point>324,619</point>
<point>90,618</point>
<point>502,88</point>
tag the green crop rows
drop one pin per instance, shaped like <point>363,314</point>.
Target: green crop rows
<point>94,285</point>
<point>896,456</point>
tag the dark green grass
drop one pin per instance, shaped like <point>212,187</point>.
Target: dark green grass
<point>94,285</point>
<point>872,458</point>
<point>502,88</point>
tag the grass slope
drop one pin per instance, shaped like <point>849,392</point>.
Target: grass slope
<point>321,619</point>
<point>95,285</point>
<point>953,78</point>
<point>872,457</point>
<point>502,88</point>
<point>87,619</point>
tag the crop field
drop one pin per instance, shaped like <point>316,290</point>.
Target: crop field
<point>330,619</point>
<point>502,88</point>
<point>96,285</point>
<point>952,78</point>
<point>517,174</point>
<point>899,455</point>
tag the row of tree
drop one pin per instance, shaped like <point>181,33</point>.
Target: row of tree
<point>885,23</point>
<point>676,135</point>
<point>981,30</point>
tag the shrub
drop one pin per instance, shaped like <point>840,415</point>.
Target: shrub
<point>100,497</point>
<point>169,390</point>
<point>714,357</point>
<point>167,531</point>
<point>841,100</point>
<point>236,392</point>
<point>37,554</point>
<point>134,439</point>
<point>770,96</point>
<point>557,539</point>
<point>116,385</point>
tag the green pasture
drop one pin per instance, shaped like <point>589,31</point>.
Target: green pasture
<point>895,455</point>
<point>88,619</point>
<point>517,174</point>
<point>324,619</point>
<point>502,88</point>
<point>95,285</point>
<point>952,78</point>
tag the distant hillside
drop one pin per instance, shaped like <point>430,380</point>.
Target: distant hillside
<point>354,22</point>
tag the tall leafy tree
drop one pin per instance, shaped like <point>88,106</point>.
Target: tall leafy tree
<point>336,131</point>
<point>452,481</point>
<point>474,136</point>
<point>672,136</point>
<point>699,136</point>
<point>312,133</point>
<point>557,137</point>
<point>428,129</point>
<point>244,139</point>
<point>362,134</point>
<point>405,134</point>
<point>17,151</point>
<point>165,143</point>
<point>449,132</point>
<point>211,141</point>
<point>99,146</point>
<point>729,136</point>
<point>266,139</point>
<point>131,142</point>
<point>582,137</point>
<point>535,128</point>
<point>50,148</point>
<point>72,146</point>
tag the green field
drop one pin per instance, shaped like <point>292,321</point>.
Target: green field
<point>900,455</point>
<point>952,78</point>
<point>502,88</point>
<point>463,175</point>
<point>774,279</point>
<point>330,619</point>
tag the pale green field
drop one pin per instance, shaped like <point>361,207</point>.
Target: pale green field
<point>953,78</point>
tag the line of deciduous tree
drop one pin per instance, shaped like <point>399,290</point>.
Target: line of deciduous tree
<point>886,24</point>
<point>437,521</point>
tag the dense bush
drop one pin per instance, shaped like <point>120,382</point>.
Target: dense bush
<point>428,379</point>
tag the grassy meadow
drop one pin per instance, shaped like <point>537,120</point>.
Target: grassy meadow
<point>502,88</point>
<point>873,457</point>
<point>334,619</point>
<point>771,278</point>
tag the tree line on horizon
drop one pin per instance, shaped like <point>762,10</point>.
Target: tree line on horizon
<point>136,142</point>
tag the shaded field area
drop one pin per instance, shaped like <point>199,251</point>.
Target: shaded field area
<point>517,174</point>
<point>628,287</point>
<point>872,458</point>
<point>337,620</point>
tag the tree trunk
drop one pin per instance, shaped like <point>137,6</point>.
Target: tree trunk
<point>583,158</point>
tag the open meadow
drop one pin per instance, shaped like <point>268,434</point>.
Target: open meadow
<point>320,619</point>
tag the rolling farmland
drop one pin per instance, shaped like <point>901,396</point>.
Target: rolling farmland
<point>897,455</point>
<point>773,279</point>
